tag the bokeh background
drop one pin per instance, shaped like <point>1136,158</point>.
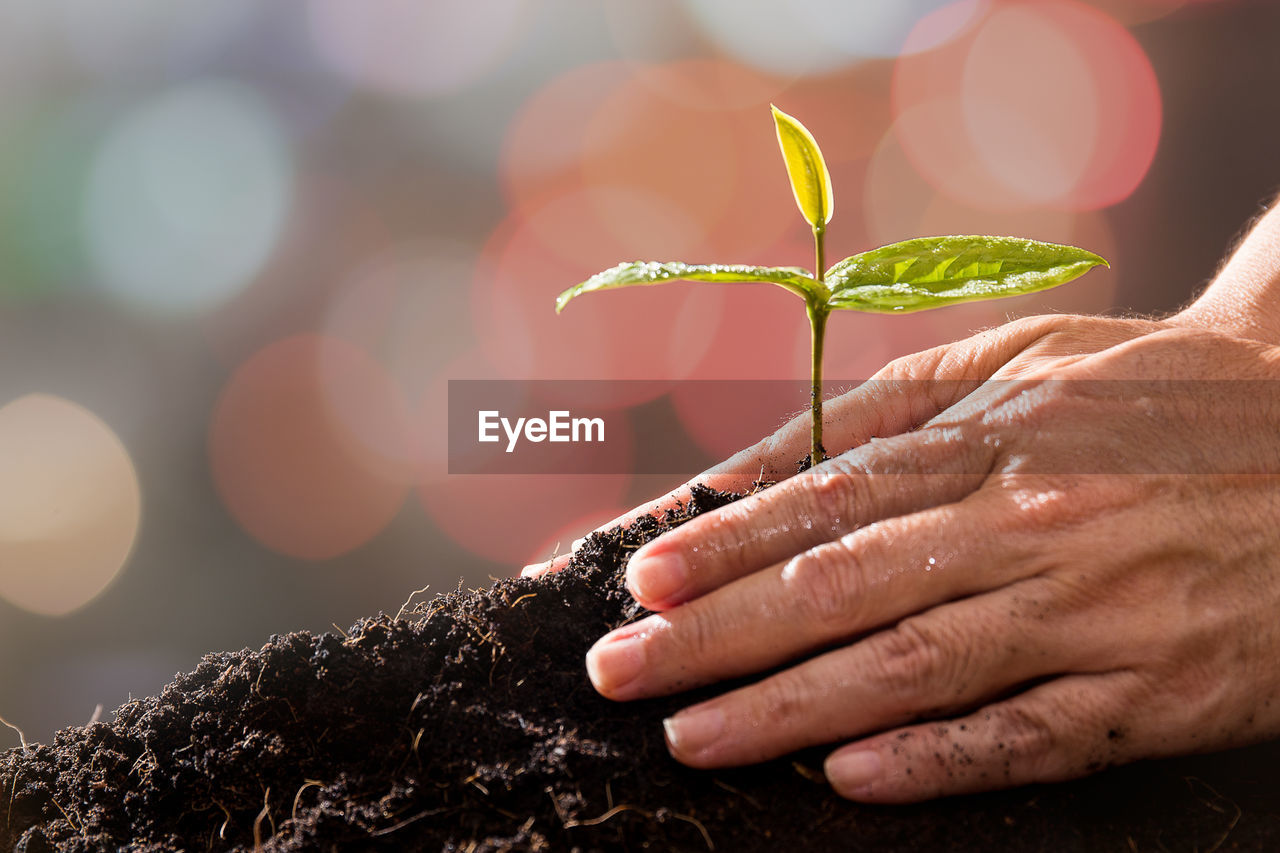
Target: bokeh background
<point>245,244</point>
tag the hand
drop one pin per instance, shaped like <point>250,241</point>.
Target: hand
<point>1243,301</point>
<point>947,373</point>
<point>1055,575</point>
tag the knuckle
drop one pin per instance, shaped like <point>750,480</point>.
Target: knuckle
<point>831,492</point>
<point>1035,405</point>
<point>1082,334</point>
<point>948,438</point>
<point>769,446</point>
<point>1028,740</point>
<point>1035,503</point>
<point>782,441</point>
<point>911,661</point>
<point>824,586</point>
<point>1195,667</point>
<point>919,365</point>
<point>785,700</point>
<point>1031,329</point>
<point>693,639</point>
<point>1039,323</point>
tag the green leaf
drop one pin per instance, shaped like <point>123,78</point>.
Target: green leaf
<point>929,272</point>
<point>810,180</point>
<point>638,273</point>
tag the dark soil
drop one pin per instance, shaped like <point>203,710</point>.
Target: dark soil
<point>470,725</point>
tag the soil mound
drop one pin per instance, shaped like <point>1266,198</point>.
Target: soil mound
<point>469,725</point>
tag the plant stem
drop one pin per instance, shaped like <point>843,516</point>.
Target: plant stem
<point>818,326</point>
<point>818,313</point>
<point>820,251</point>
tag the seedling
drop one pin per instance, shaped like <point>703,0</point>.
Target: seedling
<point>914,275</point>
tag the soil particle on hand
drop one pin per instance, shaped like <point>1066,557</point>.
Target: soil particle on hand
<point>470,725</point>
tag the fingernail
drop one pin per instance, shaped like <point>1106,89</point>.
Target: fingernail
<point>850,771</point>
<point>533,570</point>
<point>576,544</point>
<point>657,578</point>
<point>612,664</point>
<point>690,732</point>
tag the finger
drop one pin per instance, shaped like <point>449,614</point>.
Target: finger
<point>878,480</point>
<point>866,579</point>
<point>868,411</point>
<point>904,394</point>
<point>1065,728</point>
<point>555,564</point>
<point>954,656</point>
<point>728,476</point>
<point>768,461</point>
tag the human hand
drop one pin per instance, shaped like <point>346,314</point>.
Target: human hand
<point>1035,571</point>
<point>1243,301</point>
<point>942,375</point>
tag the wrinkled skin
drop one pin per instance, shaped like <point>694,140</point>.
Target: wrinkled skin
<point>1032,557</point>
<point>1023,578</point>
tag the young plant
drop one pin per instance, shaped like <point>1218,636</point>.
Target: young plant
<point>914,275</point>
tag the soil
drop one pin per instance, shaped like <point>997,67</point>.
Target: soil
<point>469,725</point>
